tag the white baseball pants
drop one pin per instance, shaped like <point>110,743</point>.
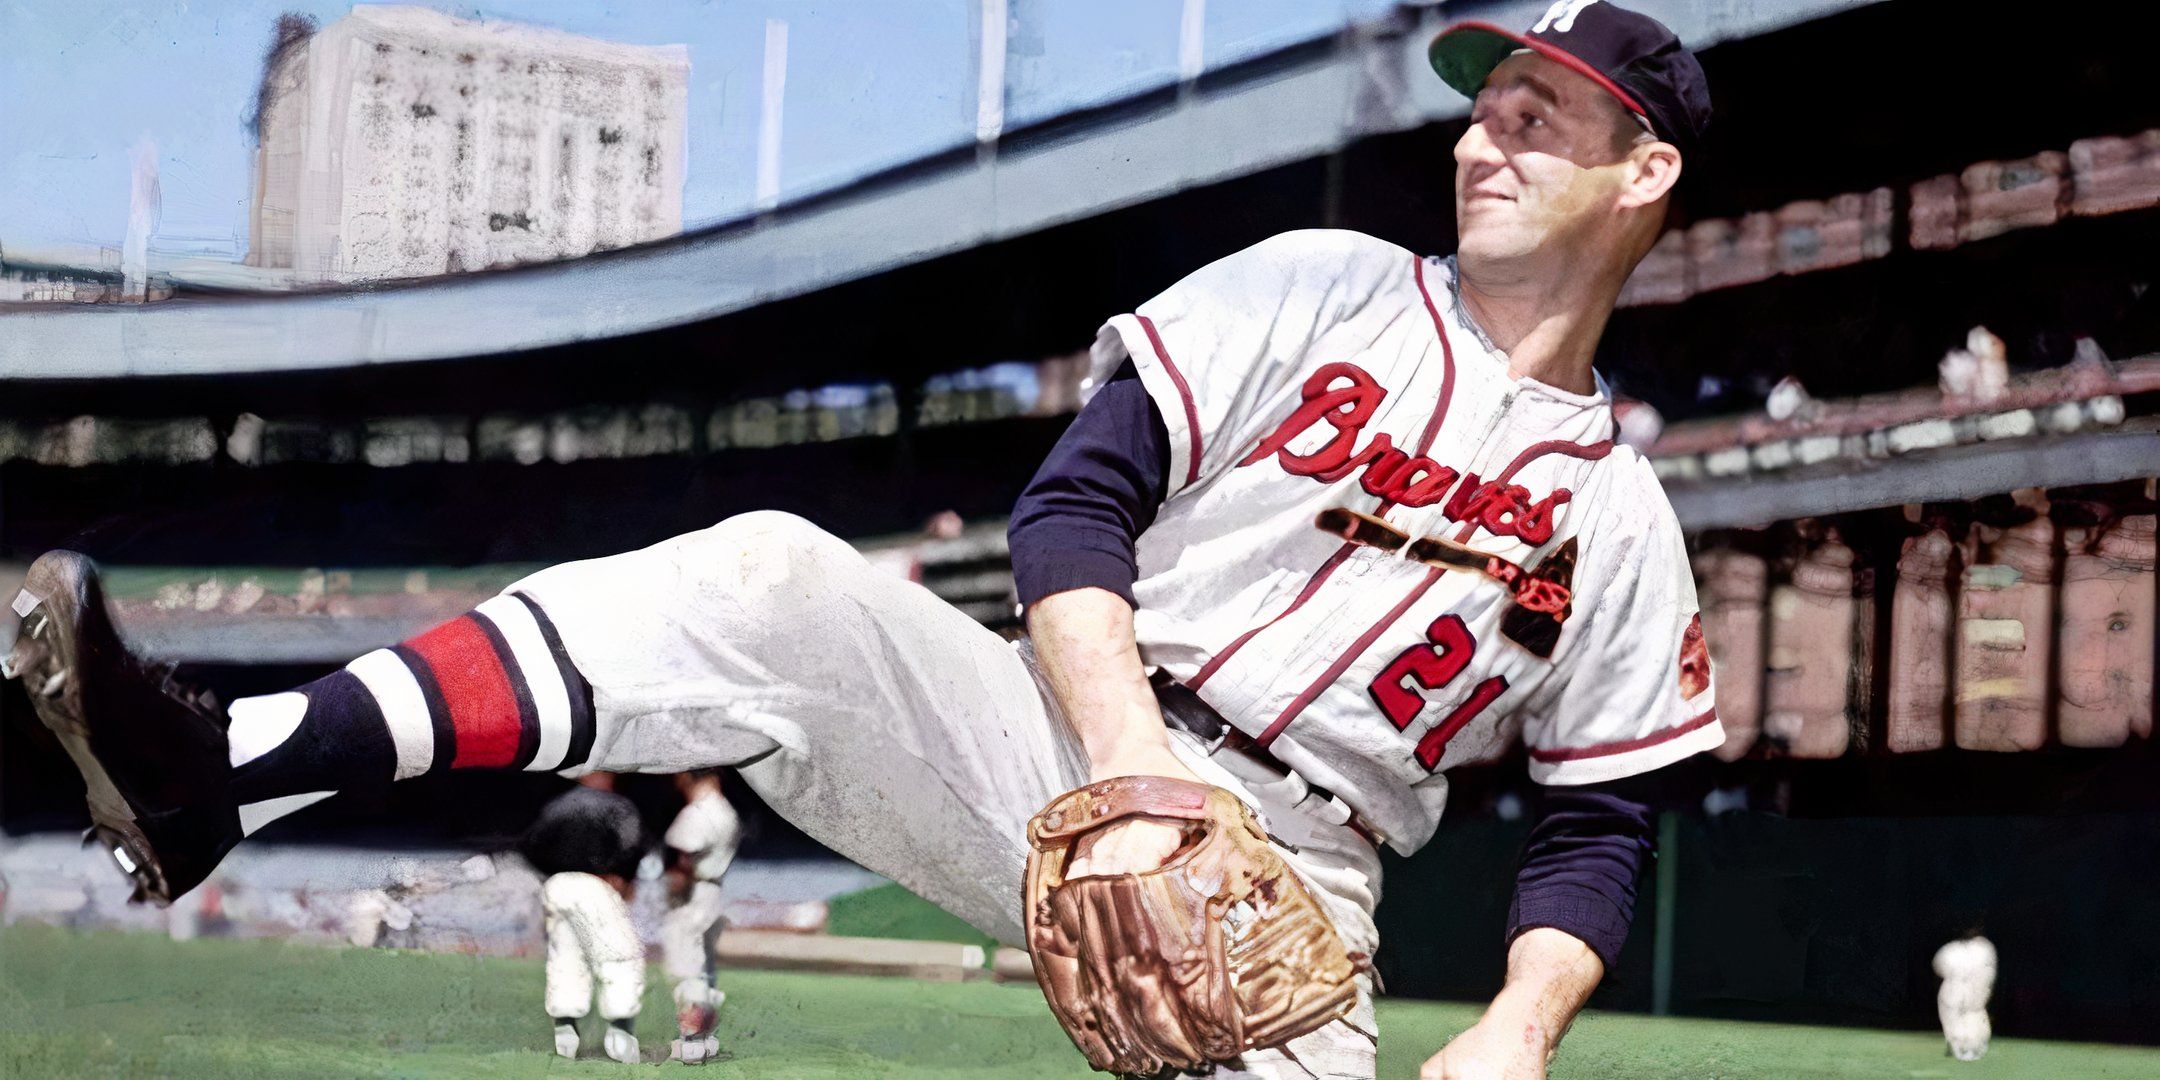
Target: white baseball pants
<point>886,725</point>
<point>591,945</point>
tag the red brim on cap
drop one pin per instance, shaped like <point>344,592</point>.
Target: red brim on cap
<point>1465,54</point>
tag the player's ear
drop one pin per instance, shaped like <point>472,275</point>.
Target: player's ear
<point>1653,167</point>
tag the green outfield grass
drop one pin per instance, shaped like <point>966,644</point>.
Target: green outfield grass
<point>111,1004</point>
<point>140,582</point>
<point>889,911</point>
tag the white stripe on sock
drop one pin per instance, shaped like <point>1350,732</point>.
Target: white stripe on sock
<point>404,709</point>
<point>551,699</point>
<point>255,815</point>
<point>262,724</point>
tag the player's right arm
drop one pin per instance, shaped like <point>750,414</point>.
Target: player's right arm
<point>1180,380</point>
<point>1072,540</point>
<point>1084,644</point>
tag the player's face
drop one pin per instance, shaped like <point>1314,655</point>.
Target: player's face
<point>1540,166</point>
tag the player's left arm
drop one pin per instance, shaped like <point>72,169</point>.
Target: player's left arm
<point>1574,902</point>
<point>1637,696</point>
<point>1550,974</point>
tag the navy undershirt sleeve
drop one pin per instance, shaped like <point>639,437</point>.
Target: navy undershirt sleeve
<point>1075,525</point>
<point>1582,861</point>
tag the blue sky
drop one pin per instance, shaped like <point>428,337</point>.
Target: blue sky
<point>871,83</point>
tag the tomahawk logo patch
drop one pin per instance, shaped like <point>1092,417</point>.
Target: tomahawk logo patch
<point>1694,660</point>
<point>1539,631</point>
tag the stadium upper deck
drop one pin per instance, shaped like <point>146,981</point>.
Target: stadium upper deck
<point>1299,103</point>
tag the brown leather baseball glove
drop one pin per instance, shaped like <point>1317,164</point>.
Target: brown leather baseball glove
<point>1220,951</point>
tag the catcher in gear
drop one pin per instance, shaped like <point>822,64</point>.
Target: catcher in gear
<point>1220,714</point>
<point>587,843</point>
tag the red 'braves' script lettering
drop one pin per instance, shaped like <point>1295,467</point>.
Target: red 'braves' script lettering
<point>1390,473</point>
<point>1345,408</point>
<point>1506,509</point>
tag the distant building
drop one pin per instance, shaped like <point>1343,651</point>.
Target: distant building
<point>82,276</point>
<point>402,142</point>
<point>34,284</point>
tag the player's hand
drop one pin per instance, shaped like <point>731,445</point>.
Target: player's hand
<point>1486,1052</point>
<point>1135,845</point>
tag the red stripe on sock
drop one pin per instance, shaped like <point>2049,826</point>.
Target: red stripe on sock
<point>477,691</point>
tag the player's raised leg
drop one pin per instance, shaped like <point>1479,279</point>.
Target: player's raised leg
<point>885,724</point>
<point>872,715</point>
<point>174,782</point>
<point>875,716</point>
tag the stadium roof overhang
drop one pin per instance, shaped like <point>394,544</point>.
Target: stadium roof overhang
<point>1301,103</point>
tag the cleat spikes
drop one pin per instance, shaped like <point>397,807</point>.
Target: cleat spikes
<point>152,754</point>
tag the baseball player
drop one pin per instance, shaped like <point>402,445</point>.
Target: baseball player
<point>587,843</point>
<point>1240,707</point>
<point>1967,969</point>
<point>702,841</point>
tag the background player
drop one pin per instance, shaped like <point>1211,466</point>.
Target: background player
<point>588,842</point>
<point>701,841</point>
<point>594,834</point>
<point>1967,969</point>
<point>1327,684</point>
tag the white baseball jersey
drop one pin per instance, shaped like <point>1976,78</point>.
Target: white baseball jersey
<point>1323,369</point>
<point>707,829</point>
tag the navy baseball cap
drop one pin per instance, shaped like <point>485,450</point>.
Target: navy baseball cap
<point>1630,55</point>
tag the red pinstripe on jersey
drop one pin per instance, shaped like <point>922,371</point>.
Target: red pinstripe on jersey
<point>1349,656</point>
<point>1447,372</point>
<point>1425,440</point>
<point>1177,378</point>
<point>1215,663</point>
<point>1577,753</point>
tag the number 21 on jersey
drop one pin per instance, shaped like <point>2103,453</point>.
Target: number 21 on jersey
<point>1430,665</point>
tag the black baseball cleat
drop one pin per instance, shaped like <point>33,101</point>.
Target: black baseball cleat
<point>151,751</point>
